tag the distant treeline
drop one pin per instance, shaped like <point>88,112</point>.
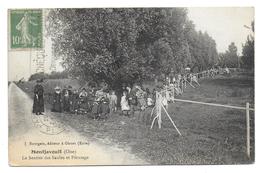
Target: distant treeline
<point>52,75</point>
<point>122,45</point>
<point>129,44</point>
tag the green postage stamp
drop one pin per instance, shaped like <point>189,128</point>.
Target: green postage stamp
<point>25,28</point>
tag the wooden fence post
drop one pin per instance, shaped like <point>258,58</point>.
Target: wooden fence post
<point>247,130</point>
<point>159,108</point>
<point>173,92</point>
<point>167,93</point>
<point>182,85</point>
<point>156,108</point>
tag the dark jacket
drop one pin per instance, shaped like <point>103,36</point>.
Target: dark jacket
<point>57,103</point>
<point>38,101</point>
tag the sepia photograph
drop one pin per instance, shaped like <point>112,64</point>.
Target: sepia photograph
<point>131,86</point>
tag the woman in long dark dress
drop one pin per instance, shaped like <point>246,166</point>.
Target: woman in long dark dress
<point>66,101</point>
<point>38,101</point>
<point>57,100</point>
<point>74,101</point>
<point>83,100</point>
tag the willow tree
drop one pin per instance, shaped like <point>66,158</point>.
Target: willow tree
<point>120,45</point>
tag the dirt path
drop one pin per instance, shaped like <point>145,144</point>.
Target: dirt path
<point>26,136</point>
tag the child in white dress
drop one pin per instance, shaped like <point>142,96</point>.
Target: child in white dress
<point>124,104</point>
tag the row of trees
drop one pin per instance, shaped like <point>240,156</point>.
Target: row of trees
<point>52,75</point>
<point>248,50</point>
<point>231,58</point>
<point>132,44</point>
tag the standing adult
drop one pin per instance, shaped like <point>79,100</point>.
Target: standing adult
<point>83,99</point>
<point>74,101</point>
<point>132,101</point>
<point>140,94</point>
<point>38,101</point>
<point>57,100</point>
<point>66,101</point>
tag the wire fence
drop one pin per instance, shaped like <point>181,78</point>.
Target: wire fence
<point>169,93</point>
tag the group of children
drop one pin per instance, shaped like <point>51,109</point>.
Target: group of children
<point>136,99</point>
<point>101,102</point>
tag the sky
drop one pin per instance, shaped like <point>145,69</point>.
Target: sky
<point>223,24</point>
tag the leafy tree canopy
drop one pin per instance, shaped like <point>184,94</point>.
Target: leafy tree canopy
<point>128,44</point>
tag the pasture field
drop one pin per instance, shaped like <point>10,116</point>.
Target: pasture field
<point>210,135</point>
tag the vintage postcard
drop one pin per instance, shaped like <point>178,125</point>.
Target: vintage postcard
<point>131,86</point>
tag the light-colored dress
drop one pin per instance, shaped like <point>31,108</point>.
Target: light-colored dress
<point>149,101</point>
<point>124,104</point>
